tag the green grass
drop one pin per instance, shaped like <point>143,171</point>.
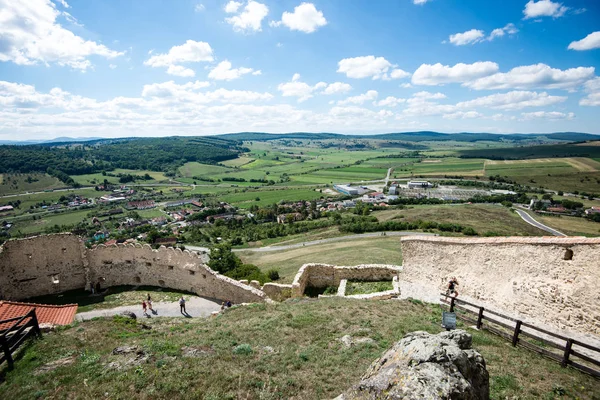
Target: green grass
<point>375,250</point>
<point>98,178</point>
<point>285,350</point>
<point>237,162</point>
<point>266,197</point>
<point>441,167</point>
<point>356,287</point>
<point>17,183</point>
<point>484,218</point>
<point>191,169</point>
<point>572,226</point>
<point>50,219</point>
<point>28,200</point>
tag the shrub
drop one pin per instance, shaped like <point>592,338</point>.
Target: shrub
<point>469,231</point>
<point>242,349</point>
<point>273,274</point>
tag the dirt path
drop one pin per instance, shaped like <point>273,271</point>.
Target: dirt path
<point>195,307</point>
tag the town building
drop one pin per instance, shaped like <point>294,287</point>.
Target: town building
<point>346,189</point>
<point>419,184</point>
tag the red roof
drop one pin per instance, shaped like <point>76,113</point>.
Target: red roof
<point>45,313</point>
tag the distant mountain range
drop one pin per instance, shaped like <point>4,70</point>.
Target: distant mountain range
<point>55,140</point>
<point>421,136</point>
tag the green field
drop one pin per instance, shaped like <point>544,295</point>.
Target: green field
<point>98,178</point>
<point>376,250</point>
<point>267,197</point>
<point>192,169</point>
<point>18,183</point>
<point>50,219</point>
<point>237,162</point>
<point>441,167</point>
<point>484,218</point>
<point>572,226</point>
<point>28,200</point>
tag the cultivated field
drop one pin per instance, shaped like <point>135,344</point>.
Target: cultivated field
<point>31,182</point>
<point>266,197</point>
<point>484,218</point>
<point>572,226</point>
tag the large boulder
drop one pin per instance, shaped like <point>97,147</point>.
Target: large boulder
<point>426,366</point>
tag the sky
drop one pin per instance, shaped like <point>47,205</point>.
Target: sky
<point>118,68</point>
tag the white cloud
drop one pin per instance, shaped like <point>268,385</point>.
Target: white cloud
<point>305,18</point>
<point>223,71</point>
<point>405,85</point>
<point>190,51</point>
<point>476,35</point>
<point>468,37</point>
<point>429,95</point>
<point>438,74</point>
<point>190,93</point>
<point>369,66</point>
<point>30,35</point>
<point>420,2</point>
<point>337,88</point>
<point>250,19</point>
<point>302,90</point>
<point>64,3</point>
<point>170,88</point>
<point>544,8</point>
<point>534,76</point>
<point>199,7</point>
<point>360,99</point>
<point>389,101</point>
<point>232,6</point>
<point>514,100</point>
<point>178,70</point>
<point>112,66</point>
<point>463,115</point>
<point>546,115</point>
<point>591,41</point>
<point>592,87</point>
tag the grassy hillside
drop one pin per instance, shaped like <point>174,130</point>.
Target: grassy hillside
<point>280,351</point>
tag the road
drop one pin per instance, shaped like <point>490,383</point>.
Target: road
<point>529,219</point>
<point>319,241</point>
<point>387,178</point>
<point>194,305</point>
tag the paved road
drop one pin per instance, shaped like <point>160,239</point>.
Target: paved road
<point>320,241</point>
<point>531,221</point>
<point>195,307</point>
<point>387,178</point>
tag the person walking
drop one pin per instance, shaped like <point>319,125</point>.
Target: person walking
<point>452,287</point>
<point>149,301</point>
<point>182,305</point>
<point>144,307</point>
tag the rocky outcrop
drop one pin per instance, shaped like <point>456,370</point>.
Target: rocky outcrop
<point>426,366</point>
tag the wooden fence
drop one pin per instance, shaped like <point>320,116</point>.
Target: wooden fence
<point>12,337</point>
<point>557,347</point>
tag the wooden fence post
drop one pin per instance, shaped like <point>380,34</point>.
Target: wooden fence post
<point>480,318</point>
<point>452,304</point>
<point>515,338</point>
<point>565,360</point>
<point>6,350</point>
<point>36,325</point>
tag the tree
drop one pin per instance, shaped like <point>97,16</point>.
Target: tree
<point>222,259</point>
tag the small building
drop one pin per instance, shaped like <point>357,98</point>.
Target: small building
<point>593,210</point>
<point>6,208</point>
<point>393,190</point>
<point>419,184</point>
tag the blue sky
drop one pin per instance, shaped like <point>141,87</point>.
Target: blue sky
<point>187,67</point>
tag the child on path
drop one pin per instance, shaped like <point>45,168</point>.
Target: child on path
<point>452,286</point>
<point>144,307</point>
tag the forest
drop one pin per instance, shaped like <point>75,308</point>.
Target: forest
<point>154,154</point>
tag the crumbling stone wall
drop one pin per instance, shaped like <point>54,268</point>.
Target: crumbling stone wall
<point>549,280</point>
<point>52,264</point>
<point>41,265</point>
<point>168,267</point>
<point>323,275</point>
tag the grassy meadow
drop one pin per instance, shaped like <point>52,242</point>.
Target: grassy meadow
<point>261,351</point>
<point>31,182</point>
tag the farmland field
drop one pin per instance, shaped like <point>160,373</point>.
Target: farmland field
<point>48,220</point>
<point>97,178</point>
<point>484,218</point>
<point>442,166</point>
<point>191,169</point>
<point>237,162</point>
<point>266,197</point>
<point>18,183</point>
<point>572,226</point>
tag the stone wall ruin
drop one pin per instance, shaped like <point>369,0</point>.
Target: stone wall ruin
<point>551,280</point>
<point>53,264</point>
